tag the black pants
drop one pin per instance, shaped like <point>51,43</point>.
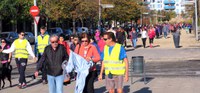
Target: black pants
<point>21,65</point>
<point>89,83</point>
<point>43,70</point>
<point>151,40</point>
<point>144,42</point>
<point>6,65</point>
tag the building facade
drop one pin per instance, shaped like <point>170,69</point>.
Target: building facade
<point>174,5</point>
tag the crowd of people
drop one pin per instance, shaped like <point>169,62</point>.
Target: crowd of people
<point>107,48</point>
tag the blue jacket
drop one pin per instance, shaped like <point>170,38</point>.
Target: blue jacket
<point>81,66</point>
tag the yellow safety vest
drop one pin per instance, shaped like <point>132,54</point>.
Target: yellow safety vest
<point>112,63</point>
<point>42,43</point>
<point>20,49</point>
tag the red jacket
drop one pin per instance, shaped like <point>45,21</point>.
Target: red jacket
<point>91,52</point>
<point>65,45</point>
<point>151,33</point>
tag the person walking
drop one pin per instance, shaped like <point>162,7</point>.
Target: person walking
<point>53,56</point>
<point>133,34</point>
<point>165,30</point>
<point>75,42</point>
<point>5,58</point>
<point>42,42</point>
<point>90,53</point>
<point>22,49</point>
<point>151,34</point>
<point>144,37</point>
<point>115,64</point>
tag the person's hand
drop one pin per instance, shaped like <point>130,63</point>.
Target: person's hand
<point>1,50</point>
<point>9,60</point>
<point>35,59</point>
<point>88,58</point>
<point>36,73</point>
<point>126,78</point>
<point>100,77</point>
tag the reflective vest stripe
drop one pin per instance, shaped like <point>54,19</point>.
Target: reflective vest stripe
<point>114,68</point>
<point>112,62</point>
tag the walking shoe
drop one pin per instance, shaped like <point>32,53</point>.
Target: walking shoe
<point>44,82</point>
<point>19,85</point>
<point>23,86</point>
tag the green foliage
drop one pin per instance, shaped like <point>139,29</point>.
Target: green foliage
<point>124,10</point>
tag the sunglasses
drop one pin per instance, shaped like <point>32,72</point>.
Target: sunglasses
<point>54,42</point>
<point>105,39</point>
<point>84,40</point>
<point>3,42</point>
<point>22,34</point>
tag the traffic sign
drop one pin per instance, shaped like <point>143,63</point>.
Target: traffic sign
<point>36,19</point>
<point>34,11</point>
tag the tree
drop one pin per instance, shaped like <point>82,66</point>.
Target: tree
<point>124,10</point>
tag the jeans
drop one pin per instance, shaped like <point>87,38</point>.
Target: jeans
<point>55,83</point>
<point>134,41</point>
<point>165,34</point>
<point>21,65</point>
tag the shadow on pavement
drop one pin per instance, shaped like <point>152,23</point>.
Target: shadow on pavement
<point>35,82</point>
<point>148,79</point>
<point>126,89</point>
<point>143,90</point>
<point>101,90</point>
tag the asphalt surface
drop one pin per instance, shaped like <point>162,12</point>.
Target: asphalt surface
<point>168,70</point>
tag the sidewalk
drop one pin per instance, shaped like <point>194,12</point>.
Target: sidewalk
<point>165,52</point>
<point>164,49</point>
<point>154,85</point>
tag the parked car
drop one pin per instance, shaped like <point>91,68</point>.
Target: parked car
<point>9,36</point>
<point>30,37</point>
<point>56,30</point>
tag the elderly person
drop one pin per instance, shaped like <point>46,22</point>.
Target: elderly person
<point>54,55</point>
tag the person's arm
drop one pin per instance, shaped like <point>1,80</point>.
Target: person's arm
<point>96,56</point>
<point>10,50</point>
<point>29,49</point>
<point>123,56</point>
<point>40,63</point>
<point>101,72</point>
<point>127,69</point>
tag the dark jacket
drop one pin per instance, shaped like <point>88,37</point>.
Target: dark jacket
<point>4,56</point>
<point>53,59</point>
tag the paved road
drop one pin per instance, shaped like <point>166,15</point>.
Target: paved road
<point>168,70</point>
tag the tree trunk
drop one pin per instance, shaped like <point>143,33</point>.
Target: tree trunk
<point>82,24</point>
<point>74,26</point>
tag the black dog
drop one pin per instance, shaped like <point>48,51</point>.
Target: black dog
<point>6,73</point>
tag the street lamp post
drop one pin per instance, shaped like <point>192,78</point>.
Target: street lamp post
<point>35,24</point>
<point>196,21</point>
<point>99,22</point>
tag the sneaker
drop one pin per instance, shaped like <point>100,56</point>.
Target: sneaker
<point>19,85</point>
<point>23,86</point>
<point>44,82</point>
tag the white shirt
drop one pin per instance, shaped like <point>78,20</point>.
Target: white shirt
<point>111,30</point>
<point>144,34</point>
<point>12,48</point>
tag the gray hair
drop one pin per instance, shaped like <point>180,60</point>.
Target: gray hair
<point>54,35</point>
